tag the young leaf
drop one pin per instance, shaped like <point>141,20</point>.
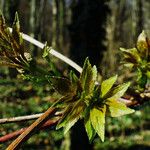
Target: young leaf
<point>97,117</point>
<point>119,91</point>
<point>117,108</point>
<point>16,29</point>
<point>73,78</point>
<point>74,115</point>
<point>62,122</point>
<point>88,77</point>
<point>107,85</point>
<point>90,130</point>
<point>142,45</point>
<point>64,100</point>
<point>131,55</point>
<point>62,85</point>
<point>46,50</point>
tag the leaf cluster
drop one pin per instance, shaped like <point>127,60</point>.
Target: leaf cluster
<point>12,52</point>
<point>83,99</point>
<point>138,59</point>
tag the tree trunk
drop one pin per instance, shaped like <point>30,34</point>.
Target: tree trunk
<point>87,30</point>
<point>88,34</point>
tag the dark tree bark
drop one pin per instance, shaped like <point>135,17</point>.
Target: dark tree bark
<point>140,23</point>
<point>79,139</point>
<point>87,30</point>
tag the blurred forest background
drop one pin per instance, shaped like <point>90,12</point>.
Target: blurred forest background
<point>77,29</point>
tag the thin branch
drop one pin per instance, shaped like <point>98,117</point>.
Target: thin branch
<point>14,134</point>
<point>20,118</point>
<point>52,52</point>
<point>24,118</point>
<point>31,129</point>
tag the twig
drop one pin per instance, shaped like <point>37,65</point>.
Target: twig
<point>31,129</point>
<point>20,118</point>
<point>52,51</point>
<point>14,134</point>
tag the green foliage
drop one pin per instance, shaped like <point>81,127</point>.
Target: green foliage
<point>139,59</point>
<point>82,98</point>
<point>85,99</point>
<point>12,52</point>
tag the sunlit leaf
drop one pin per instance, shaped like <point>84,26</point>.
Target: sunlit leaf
<point>46,50</point>
<point>97,117</point>
<point>107,85</point>
<point>74,115</point>
<point>129,65</point>
<point>62,122</point>
<point>90,130</point>
<point>131,55</point>
<point>88,77</point>
<point>142,45</point>
<point>119,91</point>
<point>117,108</point>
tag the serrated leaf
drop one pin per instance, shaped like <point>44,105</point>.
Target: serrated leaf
<point>117,108</point>
<point>89,130</point>
<point>71,115</point>
<point>119,91</point>
<point>131,55</point>
<point>62,122</point>
<point>107,85</point>
<point>97,117</point>
<point>74,115</point>
<point>62,85</point>
<point>88,77</point>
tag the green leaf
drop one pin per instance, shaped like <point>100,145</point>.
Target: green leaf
<point>63,121</point>
<point>73,78</point>
<point>62,85</point>
<point>97,117</point>
<point>46,50</point>
<point>131,55</point>
<point>74,115</point>
<point>119,91</point>
<point>16,28</point>
<point>16,39</point>
<point>117,108</point>
<point>71,115</point>
<point>142,45</point>
<point>107,85</point>
<point>88,77</point>
<point>90,130</point>
<point>129,65</point>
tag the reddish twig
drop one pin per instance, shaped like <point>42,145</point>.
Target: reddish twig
<point>14,134</point>
<point>31,129</point>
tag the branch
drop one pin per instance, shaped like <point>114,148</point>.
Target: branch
<point>52,52</point>
<point>20,118</point>
<point>31,129</point>
<point>24,118</point>
<point>14,134</point>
